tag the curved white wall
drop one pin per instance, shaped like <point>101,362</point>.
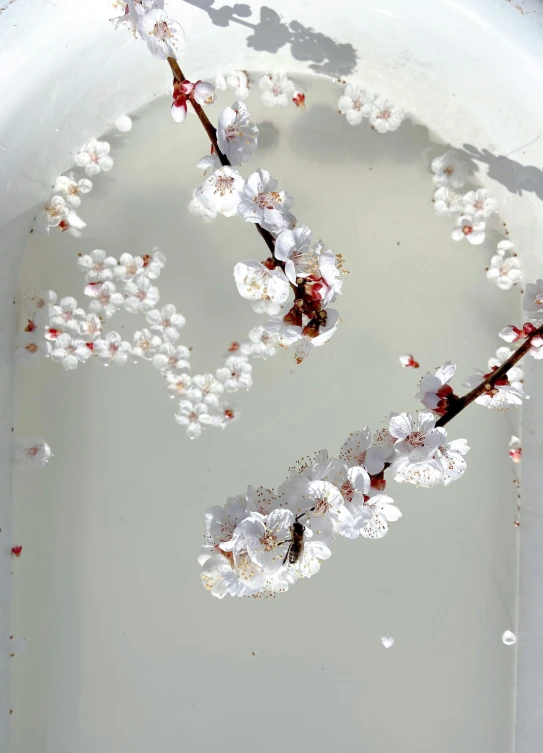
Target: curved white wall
<point>472,71</point>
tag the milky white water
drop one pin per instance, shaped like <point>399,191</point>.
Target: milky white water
<point>126,651</point>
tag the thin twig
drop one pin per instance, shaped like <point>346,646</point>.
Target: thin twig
<point>488,384</point>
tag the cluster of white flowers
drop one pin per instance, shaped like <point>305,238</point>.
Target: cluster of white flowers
<point>164,37</point>
<point>277,90</point>
<point>260,543</point>
<point>470,210</point>
<point>356,103</point>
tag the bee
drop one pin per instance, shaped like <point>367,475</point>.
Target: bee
<point>296,547</point>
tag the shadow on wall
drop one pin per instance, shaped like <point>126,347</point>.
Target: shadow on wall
<point>511,174</point>
<point>270,33</point>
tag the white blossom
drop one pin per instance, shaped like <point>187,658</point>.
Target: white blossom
<point>221,192</point>
<point>515,373</point>
<point>197,209</point>
<point>270,308</point>
<point>357,450</point>
<point>194,416</point>
<point>73,224</point>
<point>447,202</point>
<point>97,266</point>
<point>165,38</point>
<point>65,316</point>
<point>153,265</point>
<point>479,204</point>
<point>171,357</point>
<point>451,459</point>
<point>417,441</point>
<point>145,344</point>
<point>307,343</point>
<point>434,389</point>
<point>105,299</point>
<point>166,321</point>
<point>237,135</point>
<point>294,248</point>
<point>507,391</point>
<point>505,272</point>
<point>326,513</point>
<point>267,538</point>
<point>128,267</point>
<point>277,89</point>
<point>449,170</point>
<point>470,228</point>
<point>90,327</point>
<point>236,374</point>
<point>209,162</point>
<point>284,334</point>
<point>380,511</point>
<point>385,116</point>
<point>140,295</point>
<point>325,283</point>
<point>236,80</point>
<point>204,93</point>
<point>32,452</point>
<point>70,352</point>
<point>113,348</point>
<point>533,301</point>
<point>94,157</point>
<point>254,281</point>
<point>72,188</point>
<point>355,103</point>
<point>504,248</point>
<point>179,384</point>
<point>261,345</point>
<point>205,388</point>
<point>52,214</point>
<point>261,202</point>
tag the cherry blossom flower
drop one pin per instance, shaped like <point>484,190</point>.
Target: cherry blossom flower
<point>51,215</point>
<point>261,344</point>
<point>451,458</point>
<point>113,348</point>
<point>236,374</point>
<point>447,202</point>
<point>385,116</point>
<point>294,248</point>
<point>209,162</point>
<point>205,388</point>
<point>357,450</point>
<point>197,209</point>
<point>65,316</point>
<point>128,267</point>
<point>171,357</point>
<point>165,38</point>
<point>166,321</point>
<point>299,99</point>
<point>515,449</point>
<point>504,248</point>
<point>284,334</point>
<point>479,204</point>
<point>97,266</point>
<point>237,80</point>
<point>505,272</point>
<point>72,188</point>
<point>90,328</point>
<point>417,440</point>
<point>512,334</point>
<point>277,89</point>
<point>153,265</point>
<point>380,511</point>
<point>237,135</point>
<point>470,228</point>
<point>324,284</point>
<point>267,538</point>
<point>507,391</point>
<point>355,103</point>
<point>105,299</point>
<point>449,170</point>
<point>308,342</point>
<point>145,344</point>
<point>179,384</point>
<point>30,347</point>
<point>326,513</point>
<point>261,202</point>
<point>435,391</point>
<point>204,93</point>
<point>94,157</point>
<point>70,352</point>
<point>194,416</point>
<point>32,452</point>
<point>140,295</point>
<point>533,301</point>
<point>222,191</point>
<point>254,281</point>
<point>73,225</point>
<point>407,361</point>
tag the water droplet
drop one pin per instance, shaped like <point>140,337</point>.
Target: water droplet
<point>509,638</point>
<point>387,640</point>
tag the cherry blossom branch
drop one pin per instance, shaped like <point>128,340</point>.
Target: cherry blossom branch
<point>212,134</point>
<point>456,405</point>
